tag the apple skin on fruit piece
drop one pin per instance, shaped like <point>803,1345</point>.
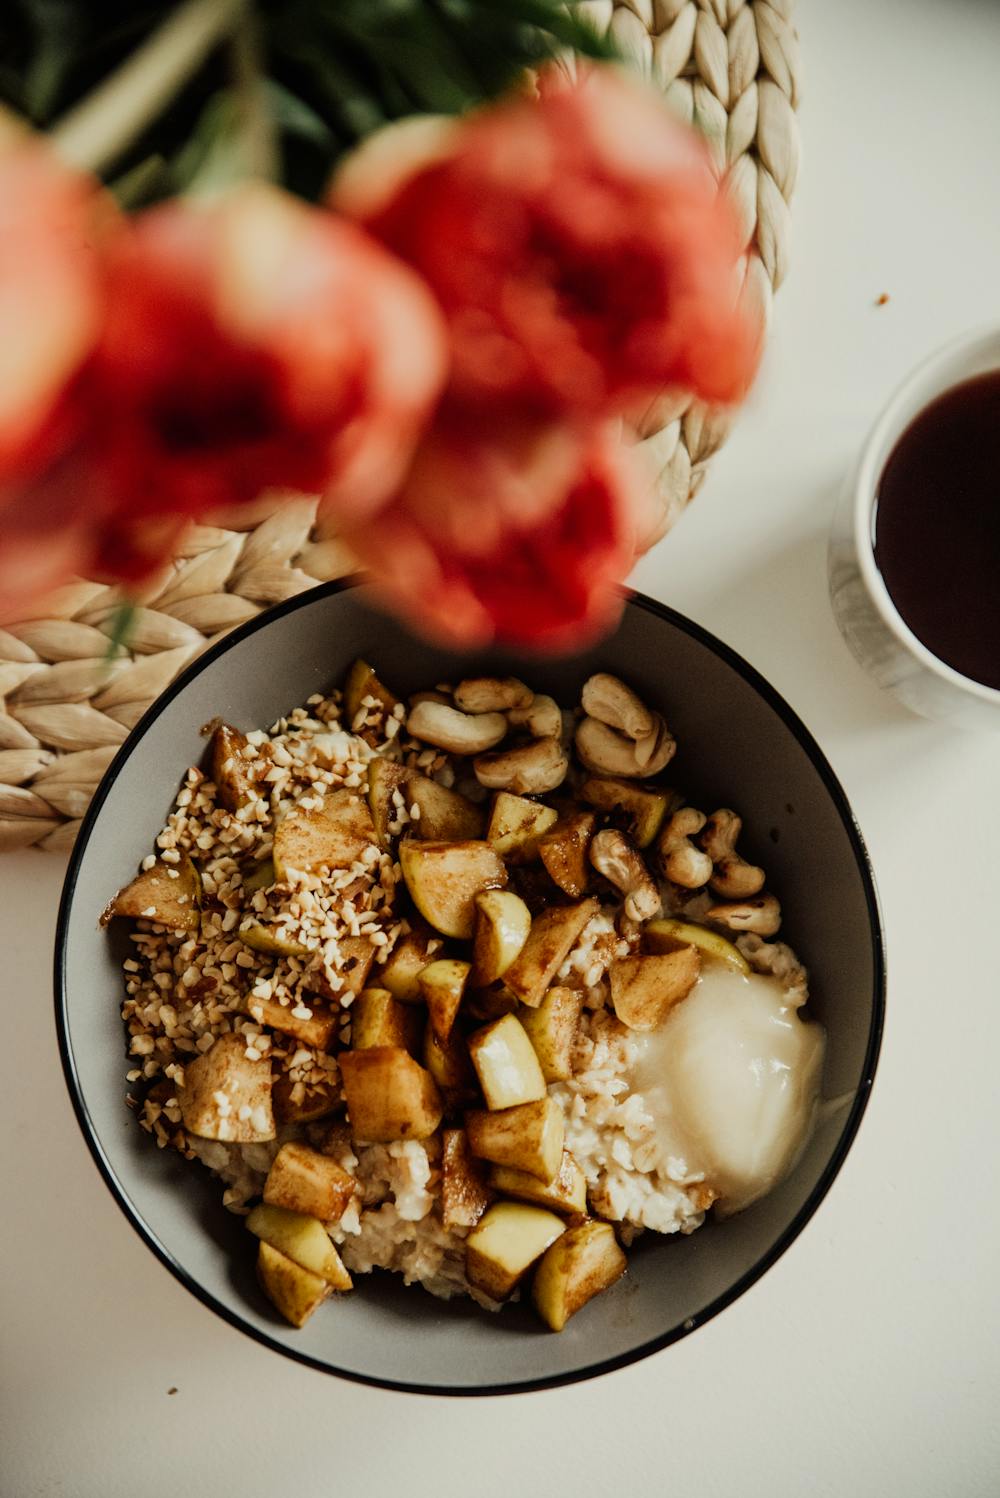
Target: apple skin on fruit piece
<point>377,1019</point>
<point>502,925</point>
<point>444,879</point>
<point>640,809</point>
<point>313,1103</point>
<point>389,1095</point>
<point>563,851</point>
<point>302,1239</point>
<point>445,815</point>
<point>230,768</point>
<point>303,1180</point>
<point>442,984</point>
<point>465,1194</point>
<point>667,935</point>
<point>528,1137</point>
<point>449,1064</point>
<point>401,970</point>
<point>169,894</point>
<point>244,1082</point>
<point>293,1291</point>
<point>579,1265</point>
<point>552,1030</point>
<point>384,777</point>
<point>317,1031</point>
<point>516,823</point>
<point>566,1192</point>
<point>506,1064</point>
<point>271,940</point>
<point>645,989</point>
<point>332,836</point>
<point>553,934</point>
<point>361,682</point>
<point>504,1244</point>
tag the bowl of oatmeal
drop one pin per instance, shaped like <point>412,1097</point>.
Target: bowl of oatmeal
<point>468,1025</point>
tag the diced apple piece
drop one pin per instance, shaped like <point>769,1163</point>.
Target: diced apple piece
<point>293,1291</point>
<point>528,1137</point>
<point>667,935</point>
<point>504,1244</point>
<point>231,768</point>
<point>552,935</point>
<point>271,939</point>
<point>578,1266</point>
<point>464,1192</point>
<point>159,896</point>
<point>297,1102</point>
<point>445,878</point>
<point>220,1086</point>
<point>563,851</point>
<point>356,957</point>
<point>389,1095</point>
<point>552,1030</point>
<point>384,777</point>
<point>445,815</point>
<point>484,1004</point>
<point>449,1064</point>
<point>639,809</point>
<point>567,1192</point>
<point>442,984</point>
<point>377,1019</point>
<point>402,968</point>
<point>502,925</point>
<point>303,1180</point>
<point>362,682</point>
<point>259,877</point>
<point>516,824</point>
<point>334,836</point>
<point>645,989</point>
<point>506,1064</point>
<point>317,1028</point>
<point>302,1239</point>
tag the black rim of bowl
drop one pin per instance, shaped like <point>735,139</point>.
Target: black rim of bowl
<point>834,789</point>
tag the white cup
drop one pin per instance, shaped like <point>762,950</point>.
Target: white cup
<point>867,617</point>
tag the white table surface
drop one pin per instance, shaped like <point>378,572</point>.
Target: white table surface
<point>868,1360</point>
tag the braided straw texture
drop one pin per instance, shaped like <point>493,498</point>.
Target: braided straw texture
<point>730,67</point>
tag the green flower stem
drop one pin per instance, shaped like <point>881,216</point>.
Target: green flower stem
<point>260,142</point>
<point>106,123</point>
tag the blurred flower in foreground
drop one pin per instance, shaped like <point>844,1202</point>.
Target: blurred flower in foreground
<point>200,354</point>
<point>256,342</point>
<point>53,222</point>
<point>577,244</point>
<point>543,575</point>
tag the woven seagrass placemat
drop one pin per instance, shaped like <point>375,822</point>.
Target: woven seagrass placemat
<point>731,67</point>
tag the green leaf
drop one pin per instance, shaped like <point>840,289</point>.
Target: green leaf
<point>120,629</point>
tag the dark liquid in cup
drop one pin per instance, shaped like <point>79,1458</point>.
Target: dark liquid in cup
<point>937,527</point>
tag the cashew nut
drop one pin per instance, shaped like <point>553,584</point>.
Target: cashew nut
<point>610,701</point>
<point>434,696</point>
<point>528,769</point>
<point>607,752</point>
<point>621,863</point>
<point>733,878</point>
<point>761,915</point>
<point>460,733</point>
<point>681,861</point>
<point>492,694</point>
<point>542,718</point>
